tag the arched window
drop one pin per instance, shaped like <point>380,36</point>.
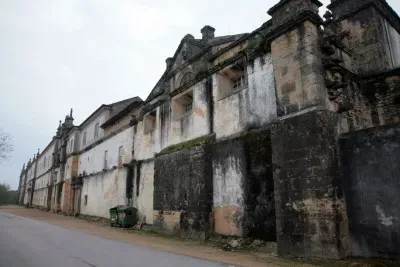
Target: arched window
<point>187,78</point>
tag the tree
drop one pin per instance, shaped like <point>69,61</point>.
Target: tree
<point>6,146</point>
<point>7,196</point>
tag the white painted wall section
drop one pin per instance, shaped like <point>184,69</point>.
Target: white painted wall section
<point>251,107</point>
<point>104,191</point>
<point>92,161</point>
<point>144,201</point>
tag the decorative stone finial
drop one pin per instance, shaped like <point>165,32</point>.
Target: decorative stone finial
<point>188,36</point>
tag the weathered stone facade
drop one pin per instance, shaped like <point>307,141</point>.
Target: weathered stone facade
<point>252,135</point>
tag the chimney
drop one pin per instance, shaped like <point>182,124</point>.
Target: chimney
<point>207,33</point>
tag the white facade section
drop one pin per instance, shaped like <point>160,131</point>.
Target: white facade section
<point>103,191</point>
<point>40,196</point>
<point>73,144</point>
<point>93,161</point>
<point>45,160</point>
<point>89,129</point>
<point>193,124</point>
<point>143,197</point>
<point>228,183</point>
<point>250,107</point>
<point>145,145</point>
<point>171,129</point>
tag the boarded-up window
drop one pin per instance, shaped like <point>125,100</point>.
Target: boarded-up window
<point>84,139</point>
<point>120,156</point>
<point>96,130</point>
<point>105,159</point>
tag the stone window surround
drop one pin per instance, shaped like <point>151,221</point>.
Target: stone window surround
<point>228,73</point>
<point>174,102</point>
<point>152,115</point>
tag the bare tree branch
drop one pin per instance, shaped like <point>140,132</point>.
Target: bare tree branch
<point>6,146</point>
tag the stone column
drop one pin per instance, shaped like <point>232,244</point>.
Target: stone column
<point>308,199</point>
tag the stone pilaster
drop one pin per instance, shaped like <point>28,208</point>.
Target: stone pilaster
<point>308,199</point>
<point>297,57</point>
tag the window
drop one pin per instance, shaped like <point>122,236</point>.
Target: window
<point>120,156</point>
<point>238,83</point>
<point>96,130</point>
<point>71,145</point>
<point>375,118</point>
<point>105,160</point>
<point>149,122</point>
<point>84,139</point>
<point>232,79</point>
<point>85,201</point>
<point>183,105</point>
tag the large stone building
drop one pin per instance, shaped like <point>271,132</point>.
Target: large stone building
<point>288,134</point>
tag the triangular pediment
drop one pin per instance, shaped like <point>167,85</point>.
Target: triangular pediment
<point>186,50</point>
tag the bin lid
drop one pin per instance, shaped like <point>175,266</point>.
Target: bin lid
<point>126,208</point>
<point>116,207</point>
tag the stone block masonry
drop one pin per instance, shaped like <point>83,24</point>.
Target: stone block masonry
<point>308,200</point>
<point>371,171</point>
<point>183,192</point>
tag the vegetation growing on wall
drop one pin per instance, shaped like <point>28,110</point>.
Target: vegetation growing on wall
<point>185,145</point>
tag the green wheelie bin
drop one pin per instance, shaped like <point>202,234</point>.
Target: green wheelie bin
<point>114,215</point>
<point>127,216</point>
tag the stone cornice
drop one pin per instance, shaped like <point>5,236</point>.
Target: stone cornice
<point>284,2</point>
<point>150,107</point>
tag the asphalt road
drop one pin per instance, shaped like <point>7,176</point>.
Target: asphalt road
<point>25,242</point>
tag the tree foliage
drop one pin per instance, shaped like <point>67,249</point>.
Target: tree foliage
<point>6,146</point>
<point>7,196</point>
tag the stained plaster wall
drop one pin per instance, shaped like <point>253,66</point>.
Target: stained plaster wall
<point>143,188</point>
<point>121,123</point>
<point>92,161</point>
<point>191,125</point>
<point>243,188</point>
<point>147,144</point>
<point>104,191</point>
<point>41,190</point>
<point>229,168</point>
<point>251,107</point>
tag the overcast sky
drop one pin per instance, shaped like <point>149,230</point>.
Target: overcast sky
<point>56,55</point>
